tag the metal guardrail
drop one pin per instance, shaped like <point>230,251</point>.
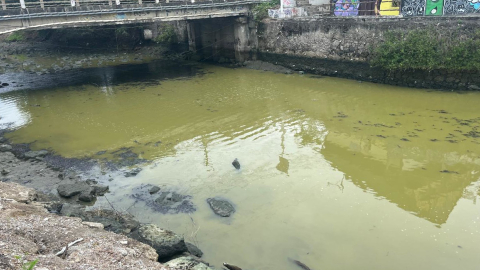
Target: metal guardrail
<point>113,7</point>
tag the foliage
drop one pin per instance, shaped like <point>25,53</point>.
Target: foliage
<point>166,34</point>
<point>121,32</point>
<point>29,265</point>
<point>427,49</point>
<point>260,11</point>
<point>16,36</point>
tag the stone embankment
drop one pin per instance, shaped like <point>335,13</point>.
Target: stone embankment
<point>343,46</point>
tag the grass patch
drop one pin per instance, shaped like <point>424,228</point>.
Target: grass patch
<point>16,36</point>
<point>427,49</point>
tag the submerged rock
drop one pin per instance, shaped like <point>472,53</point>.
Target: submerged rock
<point>194,250</point>
<point>187,263</point>
<point>154,190</point>
<point>165,242</point>
<point>133,172</point>
<point>35,154</point>
<point>164,202</point>
<point>72,210</point>
<point>221,207</point>
<point>71,189</point>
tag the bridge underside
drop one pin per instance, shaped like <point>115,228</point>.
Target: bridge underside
<point>68,17</point>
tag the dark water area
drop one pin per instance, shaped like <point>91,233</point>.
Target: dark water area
<point>152,72</point>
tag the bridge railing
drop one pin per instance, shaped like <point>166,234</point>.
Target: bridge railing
<point>34,4</point>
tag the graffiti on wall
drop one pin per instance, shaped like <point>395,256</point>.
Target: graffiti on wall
<point>289,3</point>
<point>366,8</point>
<point>286,13</point>
<point>439,7</point>
<point>346,8</point>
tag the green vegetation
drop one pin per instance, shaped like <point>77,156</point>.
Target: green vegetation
<point>27,265</point>
<point>16,36</point>
<point>166,34</point>
<point>427,49</point>
<point>260,11</point>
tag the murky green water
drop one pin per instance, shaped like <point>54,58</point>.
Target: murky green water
<point>335,173</point>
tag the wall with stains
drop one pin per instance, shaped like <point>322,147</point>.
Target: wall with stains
<point>342,46</point>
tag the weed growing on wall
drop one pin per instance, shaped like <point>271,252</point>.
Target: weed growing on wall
<point>260,11</point>
<point>166,34</point>
<point>427,49</point>
<point>16,36</point>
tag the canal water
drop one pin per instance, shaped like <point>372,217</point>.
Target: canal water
<point>335,173</point>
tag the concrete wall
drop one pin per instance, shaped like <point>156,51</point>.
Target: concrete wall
<point>342,46</point>
<point>223,39</point>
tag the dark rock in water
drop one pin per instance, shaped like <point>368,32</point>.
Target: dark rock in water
<point>194,250</point>
<point>91,181</point>
<point>35,154</point>
<point>132,172</point>
<point>72,210</point>
<point>154,190</point>
<point>5,148</point>
<point>165,242</point>
<point>2,139</point>
<point>166,202</point>
<point>221,207</point>
<point>87,196</point>
<point>236,164</point>
<point>71,189</point>
<point>231,266</point>
<point>99,190</point>
<point>5,84</point>
<point>5,172</point>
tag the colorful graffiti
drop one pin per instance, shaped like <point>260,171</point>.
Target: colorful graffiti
<point>439,7</point>
<point>365,8</point>
<point>286,13</point>
<point>346,8</point>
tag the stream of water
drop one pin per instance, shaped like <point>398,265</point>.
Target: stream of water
<point>334,173</point>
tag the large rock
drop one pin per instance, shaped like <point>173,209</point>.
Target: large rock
<point>221,207</point>
<point>5,148</point>
<point>71,189</point>
<point>35,154</point>
<point>72,210</point>
<point>165,242</point>
<point>187,263</point>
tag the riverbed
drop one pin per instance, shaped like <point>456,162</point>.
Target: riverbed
<point>335,173</point>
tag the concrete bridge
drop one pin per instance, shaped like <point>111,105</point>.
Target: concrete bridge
<point>215,28</point>
<point>48,14</point>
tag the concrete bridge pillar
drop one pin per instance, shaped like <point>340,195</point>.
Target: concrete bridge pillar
<point>242,36</point>
<point>192,40</point>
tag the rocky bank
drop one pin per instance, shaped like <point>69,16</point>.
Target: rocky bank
<point>40,218</point>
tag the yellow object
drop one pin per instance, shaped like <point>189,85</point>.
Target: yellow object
<point>387,9</point>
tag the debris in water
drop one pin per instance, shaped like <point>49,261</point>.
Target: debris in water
<point>405,139</point>
<point>236,164</point>
<point>231,267</point>
<point>300,264</point>
<point>447,171</point>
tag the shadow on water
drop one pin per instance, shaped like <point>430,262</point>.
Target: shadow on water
<point>101,76</point>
